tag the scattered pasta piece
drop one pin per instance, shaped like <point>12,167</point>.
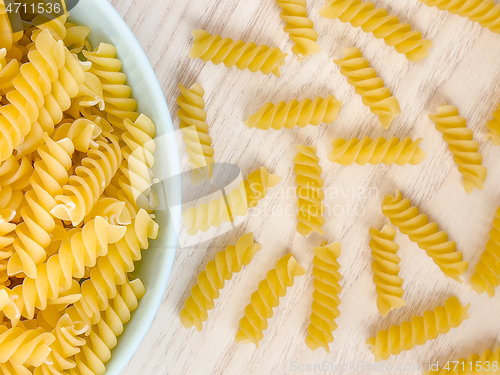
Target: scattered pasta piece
<point>460,142</point>
<point>198,142</point>
<point>380,150</point>
<point>485,12</point>
<point>291,114</point>
<point>309,191</point>
<point>239,201</point>
<point>267,297</point>
<point>211,280</point>
<point>425,234</point>
<point>371,87</point>
<point>381,24</point>
<point>237,53</point>
<point>300,27</point>
<point>325,296</point>
<point>419,330</point>
<point>487,275</point>
<point>494,128</point>
<point>385,267</point>
<point>489,359</point>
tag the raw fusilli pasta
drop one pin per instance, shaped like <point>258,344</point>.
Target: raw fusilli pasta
<point>116,93</point>
<point>55,74</point>
<point>89,181</point>
<point>34,234</point>
<point>211,280</point>
<point>494,127</point>
<point>136,176</point>
<point>487,275</point>
<point>239,201</point>
<point>367,84</point>
<point>82,133</point>
<point>385,267</point>
<point>291,114</point>
<point>381,24</point>
<point>460,142</point>
<point>380,150</point>
<point>71,223</point>
<point>66,345</point>
<point>24,347</point>
<point>485,363</point>
<point>425,234</point>
<point>237,53</point>
<point>325,296</point>
<point>485,12</point>
<point>300,27</point>
<point>103,334</point>
<point>419,330</point>
<point>309,191</point>
<point>267,297</point>
<point>198,142</point>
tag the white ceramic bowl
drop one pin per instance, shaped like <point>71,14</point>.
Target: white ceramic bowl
<point>155,267</point>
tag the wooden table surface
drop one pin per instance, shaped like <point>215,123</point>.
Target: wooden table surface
<point>463,69</point>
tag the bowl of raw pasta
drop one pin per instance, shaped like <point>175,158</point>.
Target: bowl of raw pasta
<point>86,243</point>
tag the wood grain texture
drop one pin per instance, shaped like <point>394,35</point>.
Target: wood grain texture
<point>462,70</point>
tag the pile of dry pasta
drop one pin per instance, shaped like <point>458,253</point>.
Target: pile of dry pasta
<point>397,209</point>
<point>76,205</point>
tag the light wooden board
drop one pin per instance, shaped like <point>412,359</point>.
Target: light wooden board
<point>463,69</point>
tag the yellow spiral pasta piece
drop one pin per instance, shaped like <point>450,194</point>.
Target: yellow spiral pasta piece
<point>237,53</point>
<point>309,191</point>
<point>103,335</point>
<point>8,307</point>
<point>300,27</point>
<point>385,267</point>
<point>7,37</point>
<point>16,174</point>
<point>81,132</point>
<point>8,72</point>
<point>66,345</point>
<point>494,127</point>
<point>118,103</point>
<point>371,87</point>
<point>382,25</point>
<point>460,142</point>
<point>291,114</point>
<point>56,74</point>
<point>73,36</point>
<point>112,269</point>
<point>419,330</point>
<point>137,178</point>
<point>34,234</point>
<point>24,347</point>
<point>487,274</point>
<point>113,210</point>
<point>425,234</point>
<point>80,251</point>
<point>267,297</point>
<point>485,12</point>
<point>6,239</point>
<point>471,365</point>
<point>325,296</point>
<point>198,142</point>
<point>89,181</point>
<point>377,151</point>
<point>210,281</point>
<point>240,200</point>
